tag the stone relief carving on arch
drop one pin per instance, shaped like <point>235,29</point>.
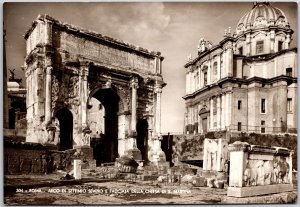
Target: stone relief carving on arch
<point>125,101</point>
<point>54,90</point>
<point>73,86</point>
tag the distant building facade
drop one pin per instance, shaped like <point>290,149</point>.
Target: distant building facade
<point>247,82</point>
<point>16,103</point>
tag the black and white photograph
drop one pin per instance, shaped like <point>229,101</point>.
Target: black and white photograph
<point>149,103</point>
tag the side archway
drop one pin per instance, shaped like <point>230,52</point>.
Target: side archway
<point>65,119</point>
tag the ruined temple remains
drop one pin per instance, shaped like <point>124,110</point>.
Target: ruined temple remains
<point>215,155</point>
<point>67,67</point>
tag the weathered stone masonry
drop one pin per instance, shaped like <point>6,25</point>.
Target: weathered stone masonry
<point>66,66</point>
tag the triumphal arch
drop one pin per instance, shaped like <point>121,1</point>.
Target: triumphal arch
<point>81,84</point>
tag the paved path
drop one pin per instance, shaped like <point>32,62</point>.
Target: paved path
<point>50,190</point>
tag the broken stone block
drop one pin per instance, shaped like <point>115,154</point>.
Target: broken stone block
<point>187,178</point>
<point>162,178</point>
<point>219,184</point>
<point>199,182</point>
<point>214,183</point>
<point>210,182</point>
<point>126,164</point>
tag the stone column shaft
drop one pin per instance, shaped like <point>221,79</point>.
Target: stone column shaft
<point>200,76</point>
<point>84,74</point>
<point>158,91</point>
<point>219,68</point>
<point>228,109</point>
<point>191,82</point>
<point>121,134</point>
<point>48,95</point>
<point>209,72</point>
<point>211,113</point>
<point>248,45</point>
<point>187,83</point>
<point>218,112</point>
<point>230,62</point>
<point>223,112</point>
<point>134,86</point>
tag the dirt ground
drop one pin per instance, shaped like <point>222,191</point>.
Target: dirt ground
<point>50,190</point>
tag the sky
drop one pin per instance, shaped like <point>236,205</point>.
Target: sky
<point>174,29</point>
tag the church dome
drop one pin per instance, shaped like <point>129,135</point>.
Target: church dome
<point>262,15</point>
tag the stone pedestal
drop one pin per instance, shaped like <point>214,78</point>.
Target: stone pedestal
<point>132,150</point>
<point>258,170</point>
<point>86,151</point>
<point>135,153</point>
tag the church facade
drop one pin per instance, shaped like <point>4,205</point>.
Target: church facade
<point>247,82</point>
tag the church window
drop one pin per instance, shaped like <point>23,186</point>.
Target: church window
<point>280,44</point>
<point>197,80</point>
<point>262,128</point>
<point>215,68</point>
<point>215,106</point>
<point>221,62</point>
<point>239,104</point>
<point>289,105</point>
<point>263,106</point>
<point>239,126</point>
<point>259,47</point>
<point>241,50</point>
<point>205,78</point>
<point>289,72</point>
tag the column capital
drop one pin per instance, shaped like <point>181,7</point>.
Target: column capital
<point>84,69</point>
<point>48,61</point>
<point>27,73</point>
<point>84,64</point>
<point>49,70</point>
<point>157,89</point>
<point>157,136</point>
<point>134,82</point>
